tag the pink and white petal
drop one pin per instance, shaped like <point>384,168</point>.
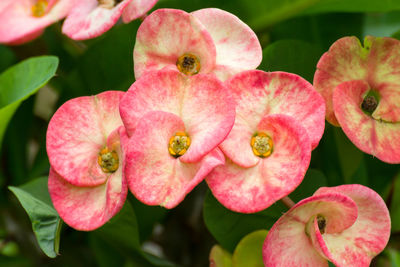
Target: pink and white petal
<point>88,19</point>
<point>77,132</point>
<point>18,25</point>
<point>167,34</point>
<point>346,60</point>
<point>384,76</point>
<point>237,45</point>
<point>202,102</point>
<point>87,208</point>
<point>378,138</point>
<point>368,236</point>
<point>288,235</point>
<point>253,189</point>
<point>154,176</point>
<point>259,93</point>
<point>137,9</point>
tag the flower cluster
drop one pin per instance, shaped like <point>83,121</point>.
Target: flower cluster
<point>22,21</point>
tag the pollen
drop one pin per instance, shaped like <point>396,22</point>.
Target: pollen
<point>39,9</point>
<point>188,64</point>
<point>108,160</point>
<point>262,145</point>
<point>178,144</point>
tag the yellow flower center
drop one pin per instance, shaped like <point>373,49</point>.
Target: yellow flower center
<point>188,64</point>
<point>262,145</point>
<point>178,144</point>
<point>108,160</point>
<point>39,9</point>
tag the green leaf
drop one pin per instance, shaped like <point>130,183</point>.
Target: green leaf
<point>353,6</point>
<point>20,81</point>
<point>395,205</point>
<point>249,250</point>
<point>293,56</point>
<point>7,57</point>
<point>313,180</point>
<point>46,223</point>
<point>219,257</point>
<point>229,227</point>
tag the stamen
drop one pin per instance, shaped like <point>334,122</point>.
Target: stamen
<point>321,223</point>
<point>369,104</point>
<point>262,145</point>
<point>188,64</point>
<point>179,144</point>
<point>39,9</point>
<point>108,160</point>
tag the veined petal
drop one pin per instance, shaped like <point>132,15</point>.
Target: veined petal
<point>137,9</point>
<point>87,208</point>
<point>202,102</point>
<point>18,25</point>
<point>167,34</point>
<point>259,93</point>
<point>288,236</point>
<point>237,45</point>
<point>89,19</point>
<point>154,176</point>
<point>375,137</point>
<point>77,132</point>
<point>367,237</point>
<point>346,60</point>
<point>255,188</point>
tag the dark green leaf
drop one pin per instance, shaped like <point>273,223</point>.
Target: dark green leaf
<point>46,223</point>
<point>293,56</point>
<point>395,205</point>
<point>20,81</point>
<point>229,227</point>
<point>354,6</point>
<point>7,57</point>
<point>313,180</point>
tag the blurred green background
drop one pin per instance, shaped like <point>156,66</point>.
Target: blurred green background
<point>293,34</point>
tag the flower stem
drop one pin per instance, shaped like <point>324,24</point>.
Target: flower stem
<point>288,202</point>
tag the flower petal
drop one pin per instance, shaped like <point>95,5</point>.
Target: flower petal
<point>18,25</point>
<point>375,137</point>
<point>288,236</point>
<point>367,237</point>
<point>345,61</point>
<point>253,189</point>
<point>137,9</point>
<point>202,102</point>
<point>88,19</point>
<point>154,176</point>
<point>259,93</point>
<point>167,34</point>
<point>77,132</point>
<point>87,208</point>
<point>237,45</point>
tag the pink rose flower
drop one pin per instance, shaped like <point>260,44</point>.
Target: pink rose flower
<point>86,181</point>
<point>279,120</point>
<point>347,225</point>
<point>361,87</point>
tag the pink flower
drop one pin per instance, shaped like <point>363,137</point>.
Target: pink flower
<point>347,225</point>
<point>279,120</point>
<point>24,20</point>
<point>91,18</point>
<point>86,181</point>
<point>205,41</point>
<point>174,124</point>
<point>361,87</point>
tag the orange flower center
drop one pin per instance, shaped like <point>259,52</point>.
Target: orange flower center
<point>39,9</point>
<point>178,144</point>
<point>262,145</point>
<point>188,64</point>
<point>108,160</point>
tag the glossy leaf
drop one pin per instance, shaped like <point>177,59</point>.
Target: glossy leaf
<point>20,81</point>
<point>229,227</point>
<point>249,250</point>
<point>46,223</point>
